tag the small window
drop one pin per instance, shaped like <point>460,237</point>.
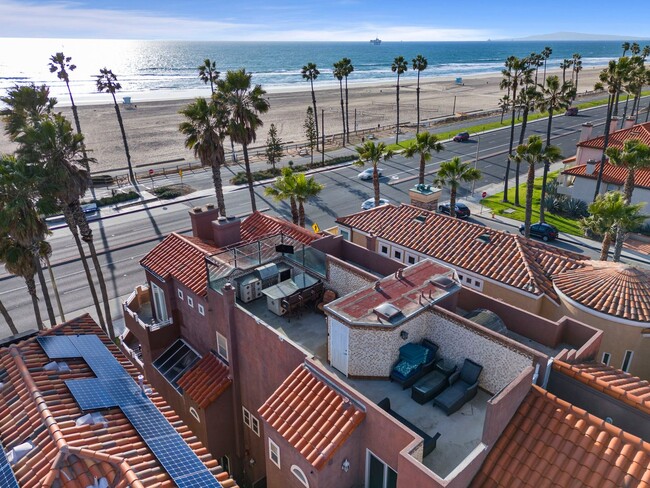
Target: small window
<point>180,294</point>
<point>468,280</point>
<point>460,277</point>
<point>384,249</point>
<point>201,309</point>
<point>411,259</point>
<point>606,357</point>
<point>477,283</point>
<point>225,463</point>
<point>345,235</point>
<point>190,301</point>
<point>255,426</point>
<point>222,346</point>
<point>298,473</point>
<point>627,360</point>
<point>247,416</point>
<point>397,254</point>
<point>274,453</point>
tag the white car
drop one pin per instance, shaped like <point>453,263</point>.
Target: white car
<point>370,203</point>
<point>366,174</point>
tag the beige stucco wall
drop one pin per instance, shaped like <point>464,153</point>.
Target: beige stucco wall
<point>501,292</point>
<point>343,280</point>
<point>358,238</point>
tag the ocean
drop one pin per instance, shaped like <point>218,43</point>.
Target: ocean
<point>158,70</point>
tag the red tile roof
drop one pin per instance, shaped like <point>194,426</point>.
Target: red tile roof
<point>259,225</point>
<point>611,288</point>
<point>508,258</point>
<point>611,381</point>
<point>615,175</point>
<point>618,138</point>
<point>311,416</point>
<point>549,442</point>
<point>36,405</point>
<point>206,380</point>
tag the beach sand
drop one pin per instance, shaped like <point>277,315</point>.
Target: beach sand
<point>152,127</point>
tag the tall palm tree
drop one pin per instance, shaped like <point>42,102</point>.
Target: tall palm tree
<point>535,61</point>
<point>283,188</point>
<point>245,103</point>
<point>107,82</point>
<point>565,65</point>
<point>10,322</point>
<point>339,74</point>
<point>310,72</point>
<point>208,73</point>
<point>554,97</point>
<point>425,143</point>
<point>608,213</point>
<point>451,175</point>
<point>626,48</point>
<point>399,66</point>
<point>504,105</point>
<point>420,63</point>
<point>304,190</point>
<point>534,153</point>
<point>577,68</point>
<point>373,154</point>
<point>529,96</point>
<point>24,106</point>
<point>205,130</point>
<point>347,67</point>
<point>546,54</point>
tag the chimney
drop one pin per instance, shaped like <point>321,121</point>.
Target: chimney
<point>226,231</point>
<point>629,123</point>
<point>614,125</point>
<point>591,166</point>
<point>371,242</point>
<point>202,218</point>
<point>585,132</point>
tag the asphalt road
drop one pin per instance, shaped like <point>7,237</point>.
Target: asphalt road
<point>123,240</point>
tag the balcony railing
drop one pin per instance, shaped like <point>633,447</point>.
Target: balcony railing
<point>138,307</point>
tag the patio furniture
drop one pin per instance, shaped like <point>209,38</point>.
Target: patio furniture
<point>415,360</point>
<point>463,386</point>
<point>328,296</point>
<point>295,302</point>
<point>429,441</point>
<point>433,383</point>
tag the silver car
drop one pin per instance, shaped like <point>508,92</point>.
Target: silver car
<point>366,174</point>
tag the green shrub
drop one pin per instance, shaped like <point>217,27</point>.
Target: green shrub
<point>167,193</point>
<point>266,174</point>
<point>574,207</point>
<point>117,198</point>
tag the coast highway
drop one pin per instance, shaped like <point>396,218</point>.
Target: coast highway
<point>123,240</point>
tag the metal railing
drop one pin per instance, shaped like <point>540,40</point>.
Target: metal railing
<point>153,324</point>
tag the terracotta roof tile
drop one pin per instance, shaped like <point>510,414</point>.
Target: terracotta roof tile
<point>507,258</point>
<point>36,405</point>
<point>611,288</point>
<point>614,382</point>
<point>612,174</point>
<point>587,449</point>
<point>259,225</point>
<point>618,138</point>
<point>311,416</point>
<point>206,380</point>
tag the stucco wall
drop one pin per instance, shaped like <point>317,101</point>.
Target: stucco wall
<point>343,280</point>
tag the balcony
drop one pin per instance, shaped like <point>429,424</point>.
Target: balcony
<point>138,308</point>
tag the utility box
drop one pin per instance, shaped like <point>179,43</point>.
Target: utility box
<point>425,196</point>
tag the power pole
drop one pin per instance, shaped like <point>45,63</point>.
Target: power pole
<point>322,117</point>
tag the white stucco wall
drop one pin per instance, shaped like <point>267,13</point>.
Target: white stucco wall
<point>583,189</point>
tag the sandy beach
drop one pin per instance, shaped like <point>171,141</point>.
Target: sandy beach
<point>152,127</point>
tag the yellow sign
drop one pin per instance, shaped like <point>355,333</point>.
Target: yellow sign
<point>180,173</point>
<point>315,227</point>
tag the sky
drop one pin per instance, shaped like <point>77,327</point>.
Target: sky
<point>313,20</point>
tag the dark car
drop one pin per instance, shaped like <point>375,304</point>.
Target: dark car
<point>571,111</point>
<point>542,230</point>
<point>462,210</point>
<point>461,137</point>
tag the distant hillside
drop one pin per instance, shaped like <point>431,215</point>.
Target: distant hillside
<point>579,36</point>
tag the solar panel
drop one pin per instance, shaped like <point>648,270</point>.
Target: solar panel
<point>124,391</point>
<point>7,477</point>
<point>148,421</point>
<point>90,345</point>
<point>58,347</point>
<point>106,367</point>
<point>90,394</point>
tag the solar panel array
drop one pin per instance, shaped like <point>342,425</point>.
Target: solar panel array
<point>114,387</point>
<point>7,478</point>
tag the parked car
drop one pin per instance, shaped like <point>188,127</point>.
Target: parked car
<point>461,137</point>
<point>462,210</point>
<point>366,174</point>
<point>571,111</point>
<point>544,231</point>
<point>370,203</point>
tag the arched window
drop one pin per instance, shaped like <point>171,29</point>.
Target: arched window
<point>300,475</point>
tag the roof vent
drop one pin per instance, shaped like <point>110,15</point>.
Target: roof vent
<point>19,452</point>
<point>484,238</point>
<point>443,282</point>
<point>377,285</point>
<point>99,483</point>
<point>388,311</point>
<point>54,366</point>
<point>91,419</point>
<point>422,218</point>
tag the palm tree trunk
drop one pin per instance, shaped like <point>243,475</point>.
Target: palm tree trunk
<point>126,144</point>
<point>530,183</point>
<point>628,187</point>
<point>422,167</point>
<point>313,102</point>
<point>301,214</point>
<point>544,80</point>
<point>618,245</point>
<point>608,124</point>
<point>69,220</point>
<point>524,123</point>
<point>8,319</point>
<point>542,203</point>
<point>627,101</point>
<point>294,210</point>
<point>249,176</point>
<point>512,139</point>
<point>57,297</point>
<point>397,128</point>
<point>46,294</point>
<point>31,288</point>
<point>576,85</point>
<point>216,181</point>
<point>342,110</point>
<point>417,102</point>
<point>618,94</point>
<point>563,74</point>
<point>75,115</point>
<point>452,201</point>
<point>347,111</point>
<point>607,242</point>
<point>375,183</point>
<point>87,237</point>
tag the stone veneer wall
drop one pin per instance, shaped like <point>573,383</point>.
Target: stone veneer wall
<point>373,351</point>
<point>343,279</point>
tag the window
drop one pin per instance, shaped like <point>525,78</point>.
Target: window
<point>180,294</point>
<point>379,474</point>
<point>468,280</point>
<point>190,301</point>
<point>255,425</point>
<point>274,453</point>
<point>606,358</point>
<point>250,421</point>
<point>201,309</point>
<point>384,249</point>
<point>194,413</point>
<point>247,417</point>
<point>477,283</point>
<point>411,259</point>
<point>397,254</point>
<point>175,361</point>
<point>345,235</point>
<point>159,302</point>
<point>222,346</point>
<point>225,463</point>
<point>627,360</point>
<point>298,473</point>
<point>460,277</point>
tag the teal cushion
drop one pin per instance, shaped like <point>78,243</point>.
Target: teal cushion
<point>405,368</point>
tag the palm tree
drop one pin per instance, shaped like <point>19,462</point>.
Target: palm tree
<point>577,68</point>
<point>565,65</point>
<point>24,106</point>
<point>245,103</point>
<point>284,189</point>
<point>608,213</point>
<point>546,54</point>
<point>534,153</point>
<point>554,97</point>
<point>304,190</point>
<point>205,130</point>
<point>635,49</point>
<point>424,145</point>
<point>310,72</point>
<point>504,105</point>
<point>347,68</point>
<point>452,174</point>
<point>420,63</point>
<point>107,82</point>
<point>626,47</point>
<point>373,154</point>
<point>338,73</point>
<point>399,66</point>
<point>10,322</point>
<point>208,73</point>
<point>528,99</point>
<point>535,61</point>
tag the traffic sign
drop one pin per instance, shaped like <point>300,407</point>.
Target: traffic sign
<point>484,194</point>
<point>150,172</point>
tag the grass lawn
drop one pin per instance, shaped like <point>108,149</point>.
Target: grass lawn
<point>565,225</point>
